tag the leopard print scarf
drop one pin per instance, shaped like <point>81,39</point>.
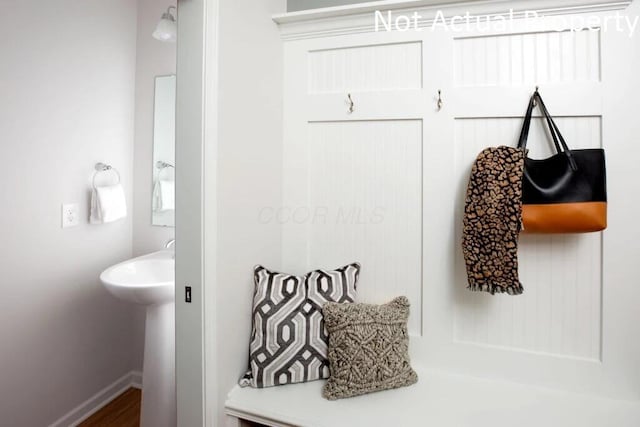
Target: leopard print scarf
<point>492,221</point>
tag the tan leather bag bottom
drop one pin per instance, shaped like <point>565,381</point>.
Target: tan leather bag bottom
<point>583,217</point>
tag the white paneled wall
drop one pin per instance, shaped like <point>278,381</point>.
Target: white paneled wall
<point>366,68</point>
<point>365,189</point>
<point>528,59</point>
<point>560,310</point>
<point>398,154</point>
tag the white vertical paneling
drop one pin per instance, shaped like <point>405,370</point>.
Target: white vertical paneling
<point>479,61</point>
<point>492,61</point>
<point>559,312</point>
<point>365,205</point>
<point>557,334</point>
<point>504,60</point>
<point>554,51</point>
<point>516,55</point>
<point>541,62</point>
<point>593,54</point>
<point>366,68</point>
<point>581,57</point>
<point>528,59</point>
<point>568,57</point>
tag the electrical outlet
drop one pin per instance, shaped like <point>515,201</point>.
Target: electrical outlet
<point>70,215</point>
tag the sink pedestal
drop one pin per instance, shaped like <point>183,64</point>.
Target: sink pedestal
<point>158,374</point>
<point>150,280</point>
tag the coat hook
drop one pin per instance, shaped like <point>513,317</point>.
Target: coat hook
<point>351,104</point>
<point>440,103</point>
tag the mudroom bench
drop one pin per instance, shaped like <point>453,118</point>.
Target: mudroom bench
<point>438,400</point>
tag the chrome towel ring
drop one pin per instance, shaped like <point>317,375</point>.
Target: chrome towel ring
<point>103,167</point>
<point>163,165</point>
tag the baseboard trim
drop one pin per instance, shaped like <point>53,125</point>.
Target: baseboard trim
<point>136,379</point>
<point>99,400</point>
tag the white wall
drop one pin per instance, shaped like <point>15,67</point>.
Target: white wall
<point>67,83</point>
<point>621,239</point>
<point>249,176</point>
<point>294,5</point>
<point>154,58</point>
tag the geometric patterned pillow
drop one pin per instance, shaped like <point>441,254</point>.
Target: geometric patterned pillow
<point>368,348</point>
<point>288,338</point>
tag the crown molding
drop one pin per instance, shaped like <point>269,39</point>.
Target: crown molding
<point>360,18</point>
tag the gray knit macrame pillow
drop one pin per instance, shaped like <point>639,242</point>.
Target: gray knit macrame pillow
<point>368,348</point>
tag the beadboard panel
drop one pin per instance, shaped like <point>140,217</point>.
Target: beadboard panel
<point>366,68</point>
<point>365,189</point>
<point>560,311</point>
<point>562,332</point>
<point>528,59</point>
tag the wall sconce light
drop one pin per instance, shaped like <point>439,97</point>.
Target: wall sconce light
<point>166,30</point>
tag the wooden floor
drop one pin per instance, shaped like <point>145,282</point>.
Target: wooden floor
<point>123,411</point>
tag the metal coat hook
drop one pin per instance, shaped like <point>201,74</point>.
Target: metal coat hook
<point>440,103</point>
<point>351,104</point>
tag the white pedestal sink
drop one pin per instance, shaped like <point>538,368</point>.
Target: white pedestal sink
<point>149,280</point>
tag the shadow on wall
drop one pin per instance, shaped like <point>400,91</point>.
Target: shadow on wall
<point>296,5</point>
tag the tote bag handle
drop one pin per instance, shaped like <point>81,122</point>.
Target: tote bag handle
<point>558,140</point>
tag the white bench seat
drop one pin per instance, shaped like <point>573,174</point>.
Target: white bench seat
<point>438,400</point>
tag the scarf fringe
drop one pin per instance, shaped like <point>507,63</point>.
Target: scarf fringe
<point>493,288</point>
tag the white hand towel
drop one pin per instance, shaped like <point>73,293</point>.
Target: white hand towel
<point>164,196</point>
<point>156,198</point>
<point>108,204</point>
<point>167,193</point>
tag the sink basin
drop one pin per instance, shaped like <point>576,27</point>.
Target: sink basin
<point>147,280</point>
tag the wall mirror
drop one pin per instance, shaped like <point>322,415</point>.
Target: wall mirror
<point>163,178</point>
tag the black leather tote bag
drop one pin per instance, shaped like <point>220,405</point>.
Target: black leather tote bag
<point>565,193</point>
